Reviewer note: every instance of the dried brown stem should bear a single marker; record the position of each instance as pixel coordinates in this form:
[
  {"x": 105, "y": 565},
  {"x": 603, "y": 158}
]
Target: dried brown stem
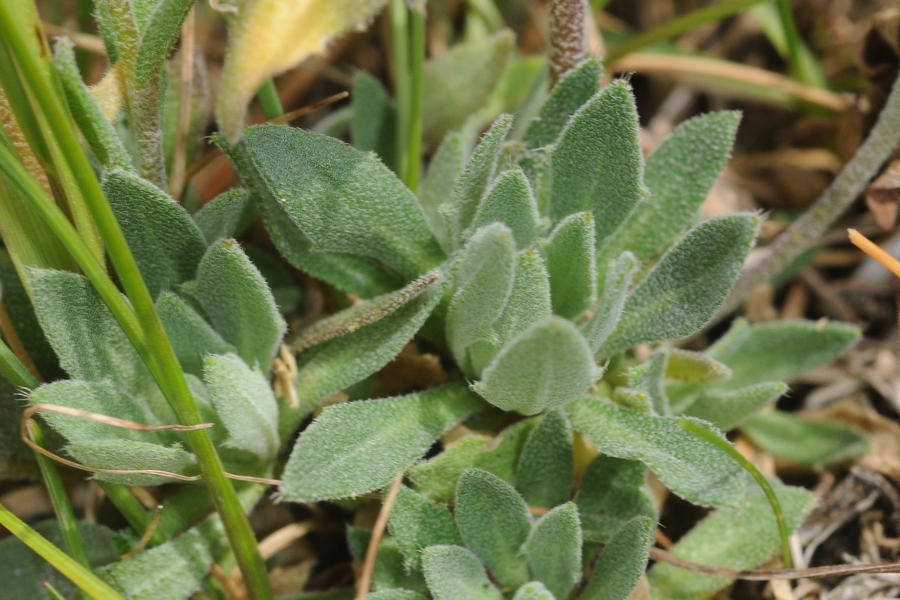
[
  {"x": 148, "y": 533},
  {"x": 567, "y": 47},
  {"x": 368, "y": 569},
  {"x": 179, "y": 157},
  {"x": 15, "y": 344}
]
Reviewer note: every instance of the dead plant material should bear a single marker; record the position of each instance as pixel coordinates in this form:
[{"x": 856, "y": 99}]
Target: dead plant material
[
  {"x": 410, "y": 370},
  {"x": 179, "y": 157},
  {"x": 883, "y": 196},
  {"x": 148, "y": 533},
  {"x": 364, "y": 583},
  {"x": 879, "y": 53}
]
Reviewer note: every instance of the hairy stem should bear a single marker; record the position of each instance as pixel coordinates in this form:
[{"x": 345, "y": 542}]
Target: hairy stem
[
  {"x": 399, "y": 16},
  {"x": 567, "y": 48},
  {"x": 804, "y": 233}
]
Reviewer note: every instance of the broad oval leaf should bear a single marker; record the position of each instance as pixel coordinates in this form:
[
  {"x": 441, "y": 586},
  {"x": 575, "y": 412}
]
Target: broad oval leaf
[
  {"x": 343, "y": 200},
  {"x": 571, "y": 264},
  {"x": 688, "y": 285},
  {"x": 452, "y": 573},
  {"x": 511, "y": 202},
  {"x": 123, "y": 454},
  {"x": 728, "y": 409},
  {"x": 816, "y": 443},
  {"x": 622, "y": 562},
  {"x": 437, "y": 477},
  {"x": 225, "y": 215},
  {"x": 416, "y": 523},
  {"x": 692, "y": 468},
  {"x": 191, "y": 336},
  {"x": 547, "y": 366},
  {"x": 597, "y": 164},
  {"x": 612, "y": 493},
  {"x": 494, "y": 522},
  {"x": 554, "y": 550},
  {"x": 576, "y": 88},
  {"x": 546, "y": 466},
  {"x": 358, "y": 447}
]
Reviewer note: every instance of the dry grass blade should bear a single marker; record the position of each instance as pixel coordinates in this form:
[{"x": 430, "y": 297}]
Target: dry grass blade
[
  {"x": 179, "y": 157},
  {"x": 145, "y": 539},
  {"x": 84, "y": 41},
  {"x": 867, "y": 246},
  {"x": 364, "y": 583}
]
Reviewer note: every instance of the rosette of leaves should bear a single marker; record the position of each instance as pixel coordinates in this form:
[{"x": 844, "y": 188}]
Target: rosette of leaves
[
  {"x": 222, "y": 320},
  {"x": 536, "y": 258}
]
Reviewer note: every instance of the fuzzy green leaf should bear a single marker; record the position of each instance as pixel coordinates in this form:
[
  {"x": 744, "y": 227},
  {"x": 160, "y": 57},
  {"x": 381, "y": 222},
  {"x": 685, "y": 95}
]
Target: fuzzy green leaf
[
  {"x": 689, "y": 466},
  {"x": 452, "y": 573},
  {"x": 534, "y": 590},
  {"x": 554, "y": 550},
  {"x": 728, "y": 409},
  {"x": 739, "y": 538},
  {"x": 484, "y": 276},
  {"x": 545, "y": 367},
  {"x": 225, "y": 215},
  {"x": 86, "y": 337},
  {"x": 688, "y": 366},
  {"x": 494, "y": 522},
  {"x": 597, "y": 164},
  {"x": 649, "y": 377},
  {"x": 337, "y": 363},
  {"x": 576, "y": 88},
  {"x": 123, "y": 454},
  {"x": 688, "y": 285},
  {"x": 612, "y": 493},
  {"x": 502, "y": 457},
  {"x": 166, "y": 243},
  {"x": 343, "y": 200},
  {"x": 437, "y": 477},
  {"x": 544, "y": 474},
  {"x": 445, "y": 167},
  {"x": 819, "y": 444},
  {"x": 622, "y": 562},
  {"x": 678, "y": 174},
  {"x": 373, "y": 127},
  {"x": 475, "y": 67},
  {"x": 192, "y": 338},
  {"x": 395, "y": 594},
  {"x": 509, "y": 201},
  {"x": 245, "y": 404},
  {"x": 238, "y": 303},
  {"x": 459, "y": 209},
  {"x": 99, "y": 133},
  {"x": 417, "y": 523},
  {"x": 606, "y": 317},
  {"x": 570, "y": 257},
  {"x": 780, "y": 350},
  {"x": 358, "y": 447},
  {"x": 390, "y": 571}
]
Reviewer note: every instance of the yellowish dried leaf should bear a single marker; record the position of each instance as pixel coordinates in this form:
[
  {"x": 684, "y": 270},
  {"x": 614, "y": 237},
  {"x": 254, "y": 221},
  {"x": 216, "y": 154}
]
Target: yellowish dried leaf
[
  {"x": 107, "y": 93},
  {"x": 268, "y": 37}
]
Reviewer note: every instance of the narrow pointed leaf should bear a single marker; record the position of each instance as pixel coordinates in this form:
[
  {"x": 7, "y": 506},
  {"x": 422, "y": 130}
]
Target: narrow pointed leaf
[
  {"x": 437, "y": 185},
  {"x": 816, "y": 443},
  {"x": 238, "y": 303},
  {"x": 494, "y": 522},
  {"x": 166, "y": 243},
  {"x": 544, "y": 474},
  {"x": 622, "y": 562},
  {"x": 578, "y": 86},
  {"x": 355, "y": 448},
  {"x": 224, "y": 216},
  {"x": 571, "y": 263},
  {"x": 688, "y": 285},
  {"x": 545, "y": 367},
  {"x": 554, "y": 550},
  {"x": 737, "y": 538},
  {"x": 597, "y": 164},
  {"x": 613, "y": 492},
  {"x": 452, "y": 573},
  {"x": 122, "y": 454},
  {"x": 417, "y": 523},
  {"x": 690, "y": 467},
  {"x": 509, "y": 201},
  {"x": 688, "y": 366},
  {"x": 615, "y": 291},
  {"x": 459, "y": 210},
  {"x": 728, "y": 409}
]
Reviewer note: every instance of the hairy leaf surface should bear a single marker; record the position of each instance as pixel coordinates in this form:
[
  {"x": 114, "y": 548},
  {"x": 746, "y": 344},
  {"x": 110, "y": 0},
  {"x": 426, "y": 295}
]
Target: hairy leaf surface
[{"x": 554, "y": 550}]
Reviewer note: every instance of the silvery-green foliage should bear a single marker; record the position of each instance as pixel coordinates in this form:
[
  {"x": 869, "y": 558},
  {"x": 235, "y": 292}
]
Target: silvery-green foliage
[
  {"x": 390, "y": 572},
  {"x": 533, "y": 590},
  {"x": 596, "y": 163},
  {"x": 727, "y": 409},
  {"x": 616, "y": 286},
  {"x": 612, "y": 493},
  {"x": 236, "y": 299},
  {"x": 416, "y": 523},
  {"x": 622, "y": 562},
  {"x": 571, "y": 263},
  {"x": 696, "y": 367},
  {"x": 545, "y": 367},
  {"x": 166, "y": 243},
  {"x": 649, "y": 378},
  {"x": 396, "y": 594},
  {"x": 437, "y": 185},
  {"x": 511, "y": 202},
  {"x": 567, "y": 97},
  {"x": 358, "y": 447},
  {"x": 738, "y": 538},
  {"x": 819, "y": 444},
  {"x": 545, "y": 470},
  {"x": 460, "y": 208},
  {"x": 437, "y": 477},
  {"x": 528, "y": 302},
  {"x": 494, "y": 522},
  {"x": 191, "y": 336},
  {"x": 553, "y": 549},
  {"x": 374, "y": 119},
  {"x": 453, "y": 572},
  {"x": 225, "y": 215},
  {"x": 689, "y": 466}
]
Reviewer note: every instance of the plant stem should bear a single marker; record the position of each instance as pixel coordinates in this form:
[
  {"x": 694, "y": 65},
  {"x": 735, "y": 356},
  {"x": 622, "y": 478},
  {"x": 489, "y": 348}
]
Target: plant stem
[
  {"x": 89, "y": 583},
  {"x": 131, "y": 509},
  {"x": 143, "y": 326},
  {"x": 748, "y": 466},
  {"x": 269, "y": 101},
  {"x": 675, "y": 27},
  {"x": 13, "y": 369},
  {"x": 402, "y": 84},
  {"x": 805, "y": 232},
  {"x": 567, "y": 48},
  {"x": 792, "y": 38},
  {"x": 417, "y": 60}
]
